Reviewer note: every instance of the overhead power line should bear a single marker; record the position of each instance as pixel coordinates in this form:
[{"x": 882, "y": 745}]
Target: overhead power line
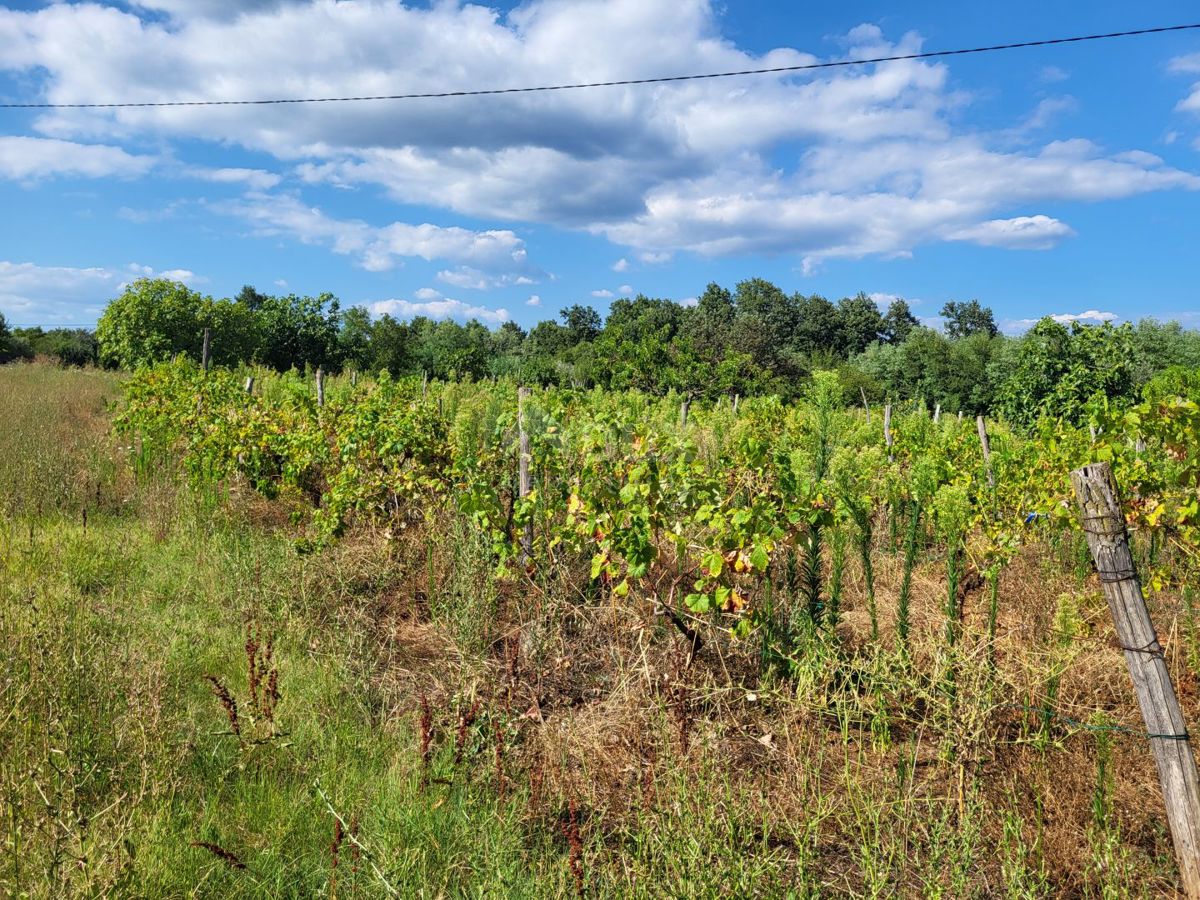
[{"x": 484, "y": 92}]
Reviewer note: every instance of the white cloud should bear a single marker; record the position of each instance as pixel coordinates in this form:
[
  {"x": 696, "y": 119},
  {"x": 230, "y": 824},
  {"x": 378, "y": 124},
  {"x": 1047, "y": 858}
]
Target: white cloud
[
  {"x": 1188, "y": 64},
  {"x": 534, "y": 300},
  {"x": 445, "y": 308},
  {"x": 621, "y": 265},
  {"x": 1090, "y": 316},
  {"x": 378, "y": 249},
  {"x": 255, "y": 179},
  {"x": 281, "y": 282},
  {"x": 884, "y": 163},
  {"x": 651, "y": 258},
  {"x": 427, "y": 293},
  {"x": 45, "y": 295},
  {"x": 31, "y": 158},
  {"x": 688, "y": 301},
  {"x": 1053, "y": 74},
  {"x": 603, "y": 294},
  {"x": 1021, "y": 233},
  {"x": 625, "y": 289},
  {"x": 883, "y": 300}
]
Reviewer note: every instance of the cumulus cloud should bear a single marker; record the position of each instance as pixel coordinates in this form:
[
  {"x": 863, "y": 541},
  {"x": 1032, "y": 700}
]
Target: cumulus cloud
[
  {"x": 603, "y": 294},
  {"x": 621, "y": 265},
  {"x": 31, "y": 158},
  {"x": 625, "y": 290},
  {"x": 256, "y": 179},
  {"x": 443, "y": 308},
  {"x": 882, "y": 164},
  {"x": 534, "y": 300},
  {"x": 1188, "y": 64},
  {"x": 1021, "y": 233},
  {"x": 1089, "y": 317},
  {"x": 378, "y": 249},
  {"x": 46, "y": 295}
]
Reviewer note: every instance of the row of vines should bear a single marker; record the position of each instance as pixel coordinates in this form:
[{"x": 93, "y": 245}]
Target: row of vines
[{"x": 707, "y": 511}]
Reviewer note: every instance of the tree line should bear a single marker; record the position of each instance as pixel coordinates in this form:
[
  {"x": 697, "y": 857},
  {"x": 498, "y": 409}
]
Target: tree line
[{"x": 755, "y": 339}]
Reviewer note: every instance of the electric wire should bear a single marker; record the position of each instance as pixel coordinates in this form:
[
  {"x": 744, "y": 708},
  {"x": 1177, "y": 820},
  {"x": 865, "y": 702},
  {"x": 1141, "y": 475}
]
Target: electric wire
[{"x": 626, "y": 82}]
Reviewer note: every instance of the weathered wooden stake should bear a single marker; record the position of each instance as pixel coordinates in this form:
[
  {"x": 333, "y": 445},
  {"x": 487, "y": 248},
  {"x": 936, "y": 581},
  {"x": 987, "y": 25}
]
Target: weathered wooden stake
[
  {"x": 354, "y": 378},
  {"x": 683, "y": 412},
  {"x": 249, "y": 385},
  {"x": 320, "y": 386},
  {"x": 1104, "y": 524},
  {"x": 424, "y": 384},
  {"x": 524, "y": 484},
  {"x": 960, "y": 415},
  {"x": 937, "y": 413},
  {"x": 1092, "y": 433},
  {"x": 887, "y": 429},
  {"x": 204, "y": 350},
  {"x": 867, "y": 406},
  {"x": 737, "y": 398},
  {"x": 987, "y": 450}
]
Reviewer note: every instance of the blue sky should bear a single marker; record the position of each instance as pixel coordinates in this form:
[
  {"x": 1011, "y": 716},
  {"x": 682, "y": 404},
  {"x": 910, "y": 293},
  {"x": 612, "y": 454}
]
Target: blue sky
[{"x": 1058, "y": 181}]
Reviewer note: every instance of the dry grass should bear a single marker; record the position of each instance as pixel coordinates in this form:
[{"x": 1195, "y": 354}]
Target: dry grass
[{"x": 856, "y": 774}]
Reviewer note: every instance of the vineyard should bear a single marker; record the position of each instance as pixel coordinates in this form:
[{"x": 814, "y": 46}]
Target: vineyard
[{"x": 653, "y": 647}]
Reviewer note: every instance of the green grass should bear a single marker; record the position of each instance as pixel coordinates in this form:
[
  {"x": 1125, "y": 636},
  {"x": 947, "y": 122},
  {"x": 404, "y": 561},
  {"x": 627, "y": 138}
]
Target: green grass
[{"x": 117, "y": 760}]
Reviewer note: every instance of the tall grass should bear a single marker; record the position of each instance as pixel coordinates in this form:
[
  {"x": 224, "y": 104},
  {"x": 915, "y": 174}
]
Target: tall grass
[{"x": 418, "y": 728}]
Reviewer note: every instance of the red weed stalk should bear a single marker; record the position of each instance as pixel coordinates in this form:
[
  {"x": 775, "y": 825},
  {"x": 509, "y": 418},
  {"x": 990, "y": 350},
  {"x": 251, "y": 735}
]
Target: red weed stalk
[
  {"x": 499, "y": 741},
  {"x": 465, "y": 721},
  {"x": 226, "y": 700},
  {"x": 334, "y": 850},
  {"x": 425, "y": 726},
  {"x": 570, "y": 830},
  {"x": 221, "y": 853}
]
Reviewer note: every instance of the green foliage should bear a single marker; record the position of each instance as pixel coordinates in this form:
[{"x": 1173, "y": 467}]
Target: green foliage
[
  {"x": 12, "y": 346},
  {"x": 1058, "y": 371}
]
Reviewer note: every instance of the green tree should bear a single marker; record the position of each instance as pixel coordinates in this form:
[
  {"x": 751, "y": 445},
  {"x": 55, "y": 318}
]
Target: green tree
[
  {"x": 354, "y": 340},
  {"x": 862, "y": 324},
  {"x": 153, "y": 319},
  {"x": 1058, "y": 371},
  {"x": 70, "y": 346},
  {"x": 899, "y": 322},
  {"x": 12, "y": 347},
  {"x": 581, "y": 323},
  {"x": 968, "y": 317},
  {"x": 299, "y": 331}
]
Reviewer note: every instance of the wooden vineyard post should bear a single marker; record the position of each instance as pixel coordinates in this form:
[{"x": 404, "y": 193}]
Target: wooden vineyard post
[
  {"x": 887, "y": 429},
  {"x": 205, "y": 347},
  {"x": 867, "y": 406},
  {"x": 737, "y": 398},
  {"x": 683, "y": 413},
  {"x": 1104, "y": 524},
  {"x": 249, "y": 385},
  {"x": 424, "y": 384},
  {"x": 354, "y": 378},
  {"x": 320, "y": 386},
  {"x": 987, "y": 450},
  {"x": 937, "y": 413},
  {"x": 524, "y": 484}
]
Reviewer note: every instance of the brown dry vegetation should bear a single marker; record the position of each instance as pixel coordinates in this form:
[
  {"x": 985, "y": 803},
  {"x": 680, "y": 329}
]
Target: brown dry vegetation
[
  {"x": 574, "y": 742},
  {"x": 858, "y": 773}
]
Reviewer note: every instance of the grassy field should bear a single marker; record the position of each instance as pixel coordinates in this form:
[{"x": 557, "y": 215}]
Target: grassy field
[{"x": 406, "y": 726}]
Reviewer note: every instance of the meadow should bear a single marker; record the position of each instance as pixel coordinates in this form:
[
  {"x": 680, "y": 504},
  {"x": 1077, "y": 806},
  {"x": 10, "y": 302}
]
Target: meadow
[{"x": 257, "y": 645}]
